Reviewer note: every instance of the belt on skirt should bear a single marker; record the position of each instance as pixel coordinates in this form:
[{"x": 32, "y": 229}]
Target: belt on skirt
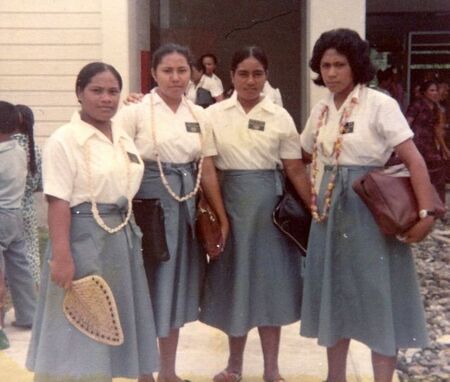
[
  {"x": 105, "y": 209},
  {"x": 343, "y": 175},
  {"x": 185, "y": 172},
  {"x": 278, "y": 176}
]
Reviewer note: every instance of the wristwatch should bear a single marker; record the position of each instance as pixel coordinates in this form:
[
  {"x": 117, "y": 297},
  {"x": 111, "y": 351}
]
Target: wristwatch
[{"x": 424, "y": 213}]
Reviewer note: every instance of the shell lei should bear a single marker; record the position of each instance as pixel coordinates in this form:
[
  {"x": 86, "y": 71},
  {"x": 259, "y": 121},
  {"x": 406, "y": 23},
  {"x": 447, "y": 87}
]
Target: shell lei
[
  {"x": 337, "y": 148},
  {"x": 98, "y": 219},
  {"x": 164, "y": 180}
]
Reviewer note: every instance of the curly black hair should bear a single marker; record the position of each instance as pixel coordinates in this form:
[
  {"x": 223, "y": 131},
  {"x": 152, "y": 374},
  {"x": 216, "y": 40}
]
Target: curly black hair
[{"x": 348, "y": 43}]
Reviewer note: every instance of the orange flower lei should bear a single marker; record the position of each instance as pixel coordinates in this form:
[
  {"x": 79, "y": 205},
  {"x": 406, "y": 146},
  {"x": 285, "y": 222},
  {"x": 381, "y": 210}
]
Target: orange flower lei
[{"x": 337, "y": 148}]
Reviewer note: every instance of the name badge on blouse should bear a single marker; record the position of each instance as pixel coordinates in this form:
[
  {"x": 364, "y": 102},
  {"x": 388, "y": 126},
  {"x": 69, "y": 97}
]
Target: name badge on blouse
[
  {"x": 254, "y": 124},
  {"x": 192, "y": 127},
  {"x": 133, "y": 158},
  {"x": 348, "y": 128}
]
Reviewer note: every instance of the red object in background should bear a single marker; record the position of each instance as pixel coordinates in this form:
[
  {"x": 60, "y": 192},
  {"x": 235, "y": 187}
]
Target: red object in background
[{"x": 145, "y": 71}]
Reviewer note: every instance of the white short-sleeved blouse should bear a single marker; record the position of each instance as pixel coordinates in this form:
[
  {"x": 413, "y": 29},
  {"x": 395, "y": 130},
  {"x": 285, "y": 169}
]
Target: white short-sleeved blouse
[
  {"x": 207, "y": 83},
  {"x": 375, "y": 127},
  {"x": 65, "y": 170},
  {"x": 177, "y": 134},
  {"x": 257, "y": 140},
  {"x": 217, "y": 85}
]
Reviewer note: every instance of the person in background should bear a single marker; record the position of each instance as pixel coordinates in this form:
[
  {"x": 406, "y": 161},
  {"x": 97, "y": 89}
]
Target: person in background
[
  {"x": 359, "y": 283},
  {"x": 444, "y": 104},
  {"x": 25, "y": 138},
  {"x": 257, "y": 281},
  {"x": 384, "y": 79},
  {"x": 209, "y": 62},
  {"x": 426, "y": 120},
  {"x": 174, "y": 139},
  {"x": 13, "y": 260},
  {"x": 199, "y": 89},
  {"x": 396, "y": 88},
  {"x": 91, "y": 172},
  {"x": 272, "y": 93}
]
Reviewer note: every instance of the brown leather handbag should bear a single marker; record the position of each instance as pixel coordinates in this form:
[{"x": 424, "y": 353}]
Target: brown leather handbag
[
  {"x": 392, "y": 201},
  {"x": 208, "y": 228}
]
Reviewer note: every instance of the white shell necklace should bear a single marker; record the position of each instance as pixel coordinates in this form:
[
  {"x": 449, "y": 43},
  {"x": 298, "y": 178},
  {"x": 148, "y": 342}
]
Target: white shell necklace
[
  {"x": 98, "y": 219},
  {"x": 158, "y": 158}
]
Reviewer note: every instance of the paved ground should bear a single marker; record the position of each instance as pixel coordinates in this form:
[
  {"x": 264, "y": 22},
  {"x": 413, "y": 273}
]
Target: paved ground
[{"x": 203, "y": 352}]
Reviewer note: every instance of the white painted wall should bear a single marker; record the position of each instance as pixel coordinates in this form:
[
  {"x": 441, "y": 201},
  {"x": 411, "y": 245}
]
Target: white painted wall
[{"x": 44, "y": 44}]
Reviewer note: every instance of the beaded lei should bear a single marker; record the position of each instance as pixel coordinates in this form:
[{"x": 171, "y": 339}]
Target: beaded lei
[
  {"x": 94, "y": 208},
  {"x": 158, "y": 159},
  {"x": 337, "y": 148}
]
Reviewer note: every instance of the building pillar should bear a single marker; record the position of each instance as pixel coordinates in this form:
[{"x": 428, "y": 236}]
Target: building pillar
[
  {"x": 323, "y": 15},
  {"x": 125, "y": 32}
]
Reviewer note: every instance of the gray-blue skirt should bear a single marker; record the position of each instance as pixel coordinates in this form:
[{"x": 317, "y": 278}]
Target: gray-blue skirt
[
  {"x": 175, "y": 284},
  {"x": 58, "y": 351},
  {"x": 359, "y": 283},
  {"x": 256, "y": 281}
]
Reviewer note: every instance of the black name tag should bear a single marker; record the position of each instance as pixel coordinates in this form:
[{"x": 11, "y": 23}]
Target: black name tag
[
  {"x": 348, "y": 128},
  {"x": 192, "y": 127},
  {"x": 133, "y": 157},
  {"x": 254, "y": 124}
]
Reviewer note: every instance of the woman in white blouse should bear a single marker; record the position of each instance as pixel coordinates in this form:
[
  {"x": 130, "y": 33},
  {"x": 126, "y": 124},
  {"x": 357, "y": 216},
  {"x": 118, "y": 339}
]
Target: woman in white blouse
[
  {"x": 359, "y": 283},
  {"x": 257, "y": 281},
  {"x": 91, "y": 172},
  {"x": 174, "y": 138}
]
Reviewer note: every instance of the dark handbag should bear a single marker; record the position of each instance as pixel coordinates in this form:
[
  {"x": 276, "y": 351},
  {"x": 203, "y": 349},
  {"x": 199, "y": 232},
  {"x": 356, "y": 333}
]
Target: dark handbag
[
  {"x": 293, "y": 218},
  {"x": 204, "y": 98},
  {"x": 208, "y": 228},
  {"x": 391, "y": 200},
  {"x": 149, "y": 216}
]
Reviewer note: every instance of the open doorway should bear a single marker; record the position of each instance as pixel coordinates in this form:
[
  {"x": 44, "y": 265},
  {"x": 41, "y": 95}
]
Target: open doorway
[{"x": 221, "y": 27}]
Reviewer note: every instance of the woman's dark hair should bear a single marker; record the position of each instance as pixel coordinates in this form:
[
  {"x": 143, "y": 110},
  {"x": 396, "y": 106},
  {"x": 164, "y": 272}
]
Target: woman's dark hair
[
  {"x": 210, "y": 55},
  {"x": 9, "y": 118},
  {"x": 199, "y": 66},
  {"x": 249, "y": 51},
  {"x": 424, "y": 86},
  {"x": 26, "y": 123},
  {"x": 348, "y": 43},
  {"x": 92, "y": 69},
  {"x": 169, "y": 48}
]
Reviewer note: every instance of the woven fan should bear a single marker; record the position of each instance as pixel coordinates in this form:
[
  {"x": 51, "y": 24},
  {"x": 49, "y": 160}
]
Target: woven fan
[{"x": 90, "y": 306}]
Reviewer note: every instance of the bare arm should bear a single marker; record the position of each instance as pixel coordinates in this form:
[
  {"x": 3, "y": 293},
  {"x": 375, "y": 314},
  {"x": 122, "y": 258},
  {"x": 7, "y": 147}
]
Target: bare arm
[
  {"x": 306, "y": 157},
  {"x": 296, "y": 172},
  {"x": 211, "y": 188},
  {"x": 420, "y": 181},
  {"x": 61, "y": 264}
]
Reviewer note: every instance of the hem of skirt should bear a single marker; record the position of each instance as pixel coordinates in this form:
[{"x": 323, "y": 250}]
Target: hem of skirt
[
  {"x": 166, "y": 332},
  {"x": 376, "y": 349},
  {"x": 50, "y": 377},
  {"x": 244, "y": 331}
]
